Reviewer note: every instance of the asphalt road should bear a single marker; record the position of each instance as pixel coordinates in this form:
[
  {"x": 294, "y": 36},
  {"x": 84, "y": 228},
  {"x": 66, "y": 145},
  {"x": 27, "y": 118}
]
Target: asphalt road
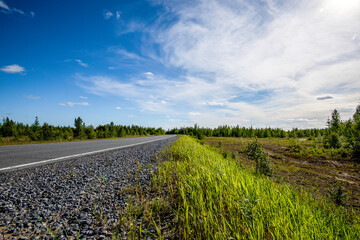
[{"x": 15, "y": 157}]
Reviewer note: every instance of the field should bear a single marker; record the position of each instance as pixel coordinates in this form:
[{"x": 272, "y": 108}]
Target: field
[{"x": 301, "y": 163}]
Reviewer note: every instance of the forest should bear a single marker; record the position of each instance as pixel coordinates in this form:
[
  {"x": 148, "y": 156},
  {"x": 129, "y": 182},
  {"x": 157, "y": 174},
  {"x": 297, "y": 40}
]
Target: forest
[{"x": 19, "y": 132}]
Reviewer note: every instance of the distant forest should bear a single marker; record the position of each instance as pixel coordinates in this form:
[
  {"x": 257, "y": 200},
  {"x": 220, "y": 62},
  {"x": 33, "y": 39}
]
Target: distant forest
[
  {"x": 338, "y": 134},
  {"x": 47, "y": 132}
]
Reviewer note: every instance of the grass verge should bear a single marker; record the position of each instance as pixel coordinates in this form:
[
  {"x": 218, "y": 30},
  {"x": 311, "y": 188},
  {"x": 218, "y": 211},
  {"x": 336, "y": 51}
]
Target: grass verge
[{"x": 213, "y": 197}]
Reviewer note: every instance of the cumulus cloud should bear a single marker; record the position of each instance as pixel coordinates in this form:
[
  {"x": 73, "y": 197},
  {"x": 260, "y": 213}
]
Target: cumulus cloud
[
  {"x": 13, "y": 69},
  {"x": 118, "y": 108},
  {"x": 72, "y": 104},
  {"x": 107, "y": 14}
]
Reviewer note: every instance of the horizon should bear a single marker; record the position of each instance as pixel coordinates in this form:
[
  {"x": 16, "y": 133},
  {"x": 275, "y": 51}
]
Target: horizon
[{"x": 273, "y": 63}]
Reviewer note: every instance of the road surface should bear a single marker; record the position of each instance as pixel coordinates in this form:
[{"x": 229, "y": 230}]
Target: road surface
[{"x": 22, "y": 156}]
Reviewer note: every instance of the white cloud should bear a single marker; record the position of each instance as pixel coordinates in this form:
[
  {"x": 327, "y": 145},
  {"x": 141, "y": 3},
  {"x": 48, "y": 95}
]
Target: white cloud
[
  {"x": 72, "y": 104},
  {"x": 126, "y": 54},
  {"x": 6, "y": 9},
  {"x": 13, "y": 69},
  {"x": 82, "y": 97},
  {"x": 118, "y": 14},
  {"x": 118, "y": 108},
  {"x": 243, "y": 62},
  {"x": 107, "y": 14},
  {"x": 4, "y": 6},
  {"x": 195, "y": 114},
  {"x": 290, "y": 50},
  {"x": 32, "y": 97},
  {"x": 81, "y": 63}
]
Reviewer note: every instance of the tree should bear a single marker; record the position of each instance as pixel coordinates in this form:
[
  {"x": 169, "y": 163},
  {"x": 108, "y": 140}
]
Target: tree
[
  {"x": 48, "y": 132},
  {"x": 335, "y": 122},
  {"x": 79, "y": 131},
  {"x": 90, "y": 132}
]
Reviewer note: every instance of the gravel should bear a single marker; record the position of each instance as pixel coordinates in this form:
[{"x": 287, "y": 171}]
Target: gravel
[{"x": 74, "y": 197}]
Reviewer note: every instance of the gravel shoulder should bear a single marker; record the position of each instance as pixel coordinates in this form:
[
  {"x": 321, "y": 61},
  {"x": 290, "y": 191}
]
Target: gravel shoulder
[{"x": 81, "y": 197}]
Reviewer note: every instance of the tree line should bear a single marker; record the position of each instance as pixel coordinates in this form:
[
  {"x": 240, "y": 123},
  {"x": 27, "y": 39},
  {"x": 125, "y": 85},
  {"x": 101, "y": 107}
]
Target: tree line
[
  {"x": 47, "y": 132},
  {"x": 338, "y": 134},
  {"x": 246, "y": 132}
]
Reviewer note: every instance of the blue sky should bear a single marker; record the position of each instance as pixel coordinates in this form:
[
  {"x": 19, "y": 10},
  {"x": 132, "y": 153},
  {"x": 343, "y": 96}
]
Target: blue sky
[{"x": 176, "y": 63}]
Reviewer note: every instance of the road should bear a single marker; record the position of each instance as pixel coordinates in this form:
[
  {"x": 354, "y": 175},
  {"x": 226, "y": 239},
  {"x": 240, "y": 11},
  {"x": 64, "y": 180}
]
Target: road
[{"x": 15, "y": 157}]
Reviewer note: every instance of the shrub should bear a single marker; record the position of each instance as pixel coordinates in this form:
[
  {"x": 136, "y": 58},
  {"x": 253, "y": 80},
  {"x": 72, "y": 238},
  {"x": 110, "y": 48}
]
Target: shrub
[
  {"x": 255, "y": 152},
  {"x": 336, "y": 192},
  {"x": 264, "y": 167},
  {"x": 200, "y": 136},
  {"x": 295, "y": 146},
  {"x": 332, "y": 141}
]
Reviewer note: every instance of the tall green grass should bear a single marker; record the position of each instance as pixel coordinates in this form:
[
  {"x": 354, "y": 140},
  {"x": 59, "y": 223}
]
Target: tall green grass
[{"x": 217, "y": 199}]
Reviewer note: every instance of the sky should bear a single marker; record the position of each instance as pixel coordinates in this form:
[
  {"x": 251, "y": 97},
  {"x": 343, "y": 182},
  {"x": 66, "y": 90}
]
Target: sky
[{"x": 174, "y": 63}]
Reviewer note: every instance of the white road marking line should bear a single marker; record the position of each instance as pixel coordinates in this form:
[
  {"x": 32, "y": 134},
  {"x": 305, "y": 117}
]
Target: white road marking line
[{"x": 77, "y": 155}]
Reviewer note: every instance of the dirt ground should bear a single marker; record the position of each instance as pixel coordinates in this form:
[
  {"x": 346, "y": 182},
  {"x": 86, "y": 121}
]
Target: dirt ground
[{"x": 314, "y": 174}]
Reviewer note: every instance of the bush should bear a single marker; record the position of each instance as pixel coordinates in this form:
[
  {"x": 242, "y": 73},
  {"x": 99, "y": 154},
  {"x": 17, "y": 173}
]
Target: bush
[
  {"x": 255, "y": 152},
  {"x": 295, "y": 146},
  {"x": 263, "y": 167},
  {"x": 200, "y": 136},
  {"x": 332, "y": 141},
  {"x": 336, "y": 192}
]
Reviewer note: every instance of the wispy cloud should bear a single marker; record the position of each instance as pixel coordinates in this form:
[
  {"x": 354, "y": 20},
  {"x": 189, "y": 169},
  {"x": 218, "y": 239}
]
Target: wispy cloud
[
  {"x": 80, "y": 62},
  {"x": 246, "y": 46},
  {"x": 125, "y": 54},
  {"x": 32, "y": 97},
  {"x": 4, "y": 6},
  {"x": 246, "y": 62},
  {"x": 82, "y": 97},
  {"x": 8, "y": 10},
  {"x": 118, "y": 108},
  {"x": 13, "y": 69},
  {"x": 72, "y": 104}
]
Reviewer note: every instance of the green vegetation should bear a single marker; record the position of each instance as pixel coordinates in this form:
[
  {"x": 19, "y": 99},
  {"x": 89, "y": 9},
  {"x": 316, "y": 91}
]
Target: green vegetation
[
  {"x": 228, "y": 131},
  {"x": 14, "y": 132},
  {"x": 215, "y": 198},
  {"x": 254, "y": 151}
]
